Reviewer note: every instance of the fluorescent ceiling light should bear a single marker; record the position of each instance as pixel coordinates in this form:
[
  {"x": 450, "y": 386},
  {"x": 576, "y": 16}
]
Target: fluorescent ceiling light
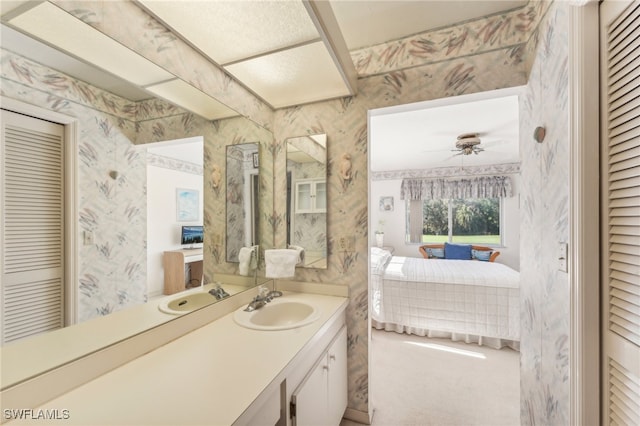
[
  {"x": 62, "y": 30},
  {"x": 228, "y": 31},
  {"x": 291, "y": 77},
  {"x": 188, "y": 97}
]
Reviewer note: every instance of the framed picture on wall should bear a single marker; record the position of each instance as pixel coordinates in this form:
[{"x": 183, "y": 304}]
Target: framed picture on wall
[
  {"x": 187, "y": 205},
  {"x": 386, "y": 204}
]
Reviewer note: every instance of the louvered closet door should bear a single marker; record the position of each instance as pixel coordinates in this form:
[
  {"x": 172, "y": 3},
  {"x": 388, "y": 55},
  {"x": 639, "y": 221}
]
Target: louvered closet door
[
  {"x": 620, "y": 80},
  {"x": 32, "y": 226}
]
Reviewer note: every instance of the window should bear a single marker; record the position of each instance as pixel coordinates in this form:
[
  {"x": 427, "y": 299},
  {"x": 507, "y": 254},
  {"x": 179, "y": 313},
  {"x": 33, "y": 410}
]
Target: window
[{"x": 470, "y": 221}]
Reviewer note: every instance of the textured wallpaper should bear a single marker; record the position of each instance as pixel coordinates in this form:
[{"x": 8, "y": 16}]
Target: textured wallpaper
[
  {"x": 544, "y": 291},
  {"x": 483, "y": 55}
]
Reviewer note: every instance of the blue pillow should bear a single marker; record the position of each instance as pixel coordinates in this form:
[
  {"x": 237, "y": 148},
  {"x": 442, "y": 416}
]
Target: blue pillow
[
  {"x": 437, "y": 253},
  {"x": 483, "y": 255},
  {"x": 457, "y": 251}
]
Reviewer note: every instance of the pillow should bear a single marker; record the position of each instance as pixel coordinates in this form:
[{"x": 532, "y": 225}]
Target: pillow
[
  {"x": 435, "y": 253},
  {"x": 379, "y": 258},
  {"x": 483, "y": 255},
  {"x": 457, "y": 251}
]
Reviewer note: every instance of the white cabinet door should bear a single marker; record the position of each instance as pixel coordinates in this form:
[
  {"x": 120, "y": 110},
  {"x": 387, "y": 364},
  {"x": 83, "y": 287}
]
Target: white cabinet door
[
  {"x": 320, "y": 196},
  {"x": 310, "y": 399},
  {"x": 304, "y": 197},
  {"x": 321, "y": 399},
  {"x": 311, "y": 196},
  {"x": 337, "y": 392}
]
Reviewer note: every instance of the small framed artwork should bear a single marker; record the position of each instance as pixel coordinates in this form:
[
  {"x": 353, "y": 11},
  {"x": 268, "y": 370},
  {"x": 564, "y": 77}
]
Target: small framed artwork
[
  {"x": 386, "y": 204},
  {"x": 256, "y": 160},
  {"x": 187, "y": 205}
]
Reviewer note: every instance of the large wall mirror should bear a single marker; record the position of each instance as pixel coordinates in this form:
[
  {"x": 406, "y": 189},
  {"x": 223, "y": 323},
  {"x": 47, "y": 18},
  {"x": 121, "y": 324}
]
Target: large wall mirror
[
  {"x": 242, "y": 199},
  {"x": 110, "y": 162},
  {"x": 307, "y": 198}
]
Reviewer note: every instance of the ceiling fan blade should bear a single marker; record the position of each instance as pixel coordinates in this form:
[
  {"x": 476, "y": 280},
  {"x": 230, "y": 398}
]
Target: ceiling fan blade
[
  {"x": 496, "y": 143},
  {"x": 432, "y": 150}
]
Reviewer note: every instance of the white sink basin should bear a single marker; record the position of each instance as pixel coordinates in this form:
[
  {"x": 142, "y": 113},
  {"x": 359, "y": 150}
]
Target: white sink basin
[
  {"x": 186, "y": 303},
  {"x": 280, "y": 314}
]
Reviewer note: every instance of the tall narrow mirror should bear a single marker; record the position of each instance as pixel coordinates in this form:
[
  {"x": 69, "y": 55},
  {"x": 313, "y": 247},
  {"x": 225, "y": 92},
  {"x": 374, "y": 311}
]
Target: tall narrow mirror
[
  {"x": 242, "y": 183},
  {"x": 307, "y": 198}
]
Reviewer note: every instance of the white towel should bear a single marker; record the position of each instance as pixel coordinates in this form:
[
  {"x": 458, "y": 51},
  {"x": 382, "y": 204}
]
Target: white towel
[
  {"x": 280, "y": 263},
  {"x": 247, "y": 259},
  {"x": 300, "y": 251}
]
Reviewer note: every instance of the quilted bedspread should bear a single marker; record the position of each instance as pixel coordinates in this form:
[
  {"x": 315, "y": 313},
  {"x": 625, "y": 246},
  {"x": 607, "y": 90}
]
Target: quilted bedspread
[
  {"x": 475, "y": 299},
  {"x": 471, "y": 272}
]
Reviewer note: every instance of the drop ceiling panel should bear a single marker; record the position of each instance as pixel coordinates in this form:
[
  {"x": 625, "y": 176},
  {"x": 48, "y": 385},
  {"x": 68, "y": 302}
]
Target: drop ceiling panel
[
  {"x": 291, "y": 77},
  {"x": 188, "y": 97},
  {"x": 367, "y": 23},
  {"x": 54, "y": 26},
  {"x": 229, "y": 31},
  {"x": 39, "y": 52}
]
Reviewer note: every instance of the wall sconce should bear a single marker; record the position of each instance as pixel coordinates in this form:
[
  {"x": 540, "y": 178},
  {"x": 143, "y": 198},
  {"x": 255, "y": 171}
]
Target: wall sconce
[
  {"x": 216, "y": 176},
  {"x": 539, "y": 133},
  {"x": 345, "y": 167}
]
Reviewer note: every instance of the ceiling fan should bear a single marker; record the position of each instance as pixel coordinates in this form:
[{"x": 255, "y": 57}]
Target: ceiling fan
[{"x": 467, "y": 144}]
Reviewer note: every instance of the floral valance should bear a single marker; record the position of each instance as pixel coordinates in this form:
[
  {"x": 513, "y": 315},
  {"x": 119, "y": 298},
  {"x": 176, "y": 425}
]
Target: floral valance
[{"x": 478, "y": 187}]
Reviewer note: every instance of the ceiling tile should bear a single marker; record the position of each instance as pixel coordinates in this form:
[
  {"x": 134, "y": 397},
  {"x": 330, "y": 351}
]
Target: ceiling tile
[
  {"x": 229, "y": 31},
  {"x": 292, "y": 77}
]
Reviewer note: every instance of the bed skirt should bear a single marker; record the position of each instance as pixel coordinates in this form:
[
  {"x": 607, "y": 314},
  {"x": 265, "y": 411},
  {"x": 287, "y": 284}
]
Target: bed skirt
[{"x": 492, "y": 342}]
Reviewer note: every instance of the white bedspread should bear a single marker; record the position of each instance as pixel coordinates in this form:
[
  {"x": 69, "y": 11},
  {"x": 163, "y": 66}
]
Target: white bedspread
[
  {"x": 463, "y": 299},
  {"x": 472, "y": 272}
]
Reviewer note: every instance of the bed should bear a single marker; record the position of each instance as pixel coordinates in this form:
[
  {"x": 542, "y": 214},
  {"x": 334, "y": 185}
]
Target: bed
[{"x": 469, "y": 300}]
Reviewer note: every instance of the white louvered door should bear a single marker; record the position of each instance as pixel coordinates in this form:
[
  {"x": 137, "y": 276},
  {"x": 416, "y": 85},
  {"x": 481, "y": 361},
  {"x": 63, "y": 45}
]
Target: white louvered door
[
  {"x": 620, "y": 109},
  {"x": 32, "y": 226}
]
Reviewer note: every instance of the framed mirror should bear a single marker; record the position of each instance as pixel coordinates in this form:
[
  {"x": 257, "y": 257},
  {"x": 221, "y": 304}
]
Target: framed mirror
[
  {"x": 306, "y": 218},
  {"x": 242, "y": 198}
]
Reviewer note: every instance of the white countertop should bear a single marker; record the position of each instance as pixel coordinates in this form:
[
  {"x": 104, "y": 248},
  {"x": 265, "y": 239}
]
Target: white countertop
[
  {"x": 209, "y": 376},
  {"x": 30, "y": 357}
]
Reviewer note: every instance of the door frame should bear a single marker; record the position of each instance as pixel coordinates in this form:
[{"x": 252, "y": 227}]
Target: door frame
[
  {"x": 584, "y": 208},
  {"x": 71, "y": 196}
]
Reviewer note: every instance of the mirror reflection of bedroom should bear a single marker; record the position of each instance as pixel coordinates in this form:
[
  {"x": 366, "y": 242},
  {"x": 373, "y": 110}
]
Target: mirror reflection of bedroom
[{"x": 444, "y": 281}]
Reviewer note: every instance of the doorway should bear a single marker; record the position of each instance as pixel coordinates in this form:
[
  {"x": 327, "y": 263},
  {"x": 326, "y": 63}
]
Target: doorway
[
  {"x": 171, "y": 165},
  {"x": 499, "y": 155}
]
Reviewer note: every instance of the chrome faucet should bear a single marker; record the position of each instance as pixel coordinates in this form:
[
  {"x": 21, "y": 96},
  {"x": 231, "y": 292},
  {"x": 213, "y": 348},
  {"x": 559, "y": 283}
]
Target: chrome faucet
[
  {"x": 218, "y": 292},
  {"x": 264, "y": 296}
]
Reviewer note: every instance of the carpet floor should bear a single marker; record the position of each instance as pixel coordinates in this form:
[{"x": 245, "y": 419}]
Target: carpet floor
[{"x": 421, "y": 381}]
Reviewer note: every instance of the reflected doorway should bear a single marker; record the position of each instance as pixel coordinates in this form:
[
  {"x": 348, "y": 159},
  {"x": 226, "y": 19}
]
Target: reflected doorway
[{"x": 171, "y": 166}]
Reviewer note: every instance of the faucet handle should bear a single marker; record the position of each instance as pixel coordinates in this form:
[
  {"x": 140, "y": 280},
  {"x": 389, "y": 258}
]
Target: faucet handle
[
  {"x": 263, "y": 291},
  {"x": 274, "y": 293}
]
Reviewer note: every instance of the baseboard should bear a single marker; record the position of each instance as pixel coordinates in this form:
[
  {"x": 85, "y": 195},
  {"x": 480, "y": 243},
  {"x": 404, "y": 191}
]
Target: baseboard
[{"x": 357, "y": 416}]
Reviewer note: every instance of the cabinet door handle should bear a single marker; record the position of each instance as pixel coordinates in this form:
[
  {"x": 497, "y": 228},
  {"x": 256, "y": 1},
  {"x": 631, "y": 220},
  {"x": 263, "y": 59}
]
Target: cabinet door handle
[
  {"x": 325, "y": 367},
  {"x": 332, "y": 357}
]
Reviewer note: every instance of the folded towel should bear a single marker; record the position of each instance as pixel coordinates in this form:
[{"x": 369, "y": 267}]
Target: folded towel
[
  {"x": 300, "y": 251},
  {"x": 280, "y": 263},
  {"x": 248, "y": 259}
]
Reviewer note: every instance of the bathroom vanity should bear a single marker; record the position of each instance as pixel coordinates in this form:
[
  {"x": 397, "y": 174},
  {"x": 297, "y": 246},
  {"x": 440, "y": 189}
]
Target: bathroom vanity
[{"x": 224, "y": 374}]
